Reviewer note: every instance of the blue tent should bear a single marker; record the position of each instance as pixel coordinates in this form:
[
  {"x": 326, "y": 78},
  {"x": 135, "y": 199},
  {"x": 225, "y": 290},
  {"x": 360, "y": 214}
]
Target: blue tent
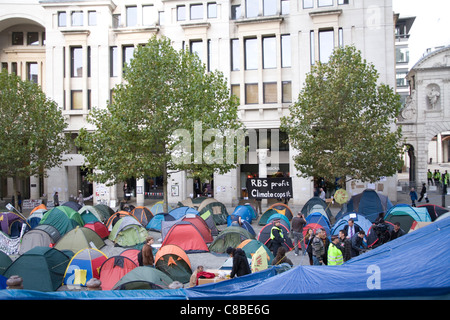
[
  {"x": 155, "y": 222},
  {"x": 360, "y": 220},
  {"x": 180, "y": 212},
  {"x": 279, "y": 216},
  {"x": 317, "y": 217},
  {"x": 406, "y": 215},
  {"x": 245, "y": 212},
  {"x": 368, "y": 203}
]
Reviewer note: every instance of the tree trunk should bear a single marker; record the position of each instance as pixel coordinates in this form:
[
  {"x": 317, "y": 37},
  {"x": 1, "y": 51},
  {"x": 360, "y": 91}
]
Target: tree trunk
[{"x": 165, "y": 195}]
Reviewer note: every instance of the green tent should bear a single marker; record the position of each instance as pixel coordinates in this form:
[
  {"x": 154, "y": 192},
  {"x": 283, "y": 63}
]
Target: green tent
[
  {"x": 91, "y": 214},
  {"x": 203, "y": 204},
  {"x": 229, "y": 237},
  {"x": 63, "y": 219},
  {"x": 144, "y": 278},
  {"x": 128, "y": 232},
  {"x": 5, "y": 262},
  {"x": 41, "y": 268},
  {"x": 80, "y": 238}
]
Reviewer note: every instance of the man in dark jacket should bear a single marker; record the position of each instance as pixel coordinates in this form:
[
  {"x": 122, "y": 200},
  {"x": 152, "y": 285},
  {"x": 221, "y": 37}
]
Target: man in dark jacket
[
  {"x": 276, "y": 237},
  {"x": 358, "y": 245},
  {"x": 345, "y": 245},
  {"x": 240, "y": 262}
]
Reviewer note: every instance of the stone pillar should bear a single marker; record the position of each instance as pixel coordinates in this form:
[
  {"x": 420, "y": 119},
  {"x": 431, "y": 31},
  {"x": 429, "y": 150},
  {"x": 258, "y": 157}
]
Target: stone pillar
[{"x": 140, "y": 184}]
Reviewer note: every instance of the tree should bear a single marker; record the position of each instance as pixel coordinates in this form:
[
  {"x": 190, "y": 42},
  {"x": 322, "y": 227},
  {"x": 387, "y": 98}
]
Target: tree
[
  {"x": 32, "y": 138},
  {"x": 159, "y": 119},
  {"x": 344, "y": 123}
]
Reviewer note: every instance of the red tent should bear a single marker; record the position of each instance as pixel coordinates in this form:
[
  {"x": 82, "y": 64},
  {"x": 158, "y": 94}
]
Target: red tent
[
  {"x": 131, "y": 254},
  {"x": 187, "y": 237},
  {"x": 99, "y": 228},
  {"x": 113, "y": 269},
  {"x": 196, "y": 220}
]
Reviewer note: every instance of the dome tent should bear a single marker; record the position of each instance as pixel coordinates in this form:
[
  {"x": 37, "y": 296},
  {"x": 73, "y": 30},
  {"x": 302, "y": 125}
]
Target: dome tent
[
  {"x": 128, "y": 232},
  {"x": 83, "y": 266},
  {"x": 80, "y": 238}
]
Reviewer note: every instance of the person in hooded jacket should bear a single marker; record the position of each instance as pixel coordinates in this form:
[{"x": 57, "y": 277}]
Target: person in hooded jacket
[{"x": 240, "y": 262}]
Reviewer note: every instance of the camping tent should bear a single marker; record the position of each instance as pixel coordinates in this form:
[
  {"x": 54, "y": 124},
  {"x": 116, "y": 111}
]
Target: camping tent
[
  {"x": 195, "y": 220},
  {"x": 113, "y": 269},
  {"x": 143, "y": 278},
  {"x": 245, "y": 212},
  {"x": 250, "y": 246},
  {"x": 116, "y": 216},
  {"x": 203, "y": 204},
  {"x": 317, "y": 217},
  {"x": 80, "y": 238},
  {"x": 229, "y": 237},
  {"x": 41, "y": 268},
  {"x": 155, "y": 222},
  {"x": 266, "y": 215},
  {"x": 72, "y": 205},
  {"x": 283, "y": 209},
  {"x": 35, "y": 217},
  {"x": 132, "y": 254},
  {"x": 105, "y": 211},
  {"x": 142, "y": 214},
  {"x": 5, "y": 262},
  {"x": 158, "y": 207},
  {"x": 11, "y": 223},
  {"x": 180, "y": 212},
  {"x": 315, "y": 204},
  {"x": 207, "y": 216},
  {"x": 435, "y": 211},
  {"x": 42, "y": 236},
  {"x": 406, "y": 215},
  {"x": 63, "y": 219},
  {"x": 99, "y": 229},
  {"x": 359, "y": 220},
  {"x": 187, "y": 237},
  {"x": 368, "y": 203},
  {"x": 173, "y": 261},
  {"x": 128, "y": 232},
  {"x": 91, "y": 214},
  {"x": 83, "y": 266}
]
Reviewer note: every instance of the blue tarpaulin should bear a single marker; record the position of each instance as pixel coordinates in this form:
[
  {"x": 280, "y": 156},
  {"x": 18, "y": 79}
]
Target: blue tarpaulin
[{"x": 416, "y": 265}]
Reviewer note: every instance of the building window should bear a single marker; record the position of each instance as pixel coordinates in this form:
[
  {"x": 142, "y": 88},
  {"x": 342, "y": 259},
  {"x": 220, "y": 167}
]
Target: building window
[
  {"x": 270, "y": 7},
  {"x": 76, "y": 99},
  {"x": 127, "y": 55},
  {"x": 312, "y": 46},
  {"x": 285, "y": 7},
  {"x": 32, "y": 71},
  {"x": 402, "y": 55},
  {"x": 342, "y": 1},
  {"x": 325, "y": 3},
  {"x": 308, "y": 4},
  {"x": 149, "y": 15},
  {"x": 131, "y": 16},
  {"x": 76, "y": 57},
  {"x": 92, "y": 18},
  {"x": 341, "y": 38},
  {"x": 196, "y": 11},
  {"x": 270, "y": 92},
  {"x": 62, "y": 19},
  {"x": 196, "y": 47},
  {"x": 77, "y": 18},
  {"x": 33, "y": 38},
  {"x": 17, "y": 38},
  {"x": 89, "y": 99},
  {"x": 116, "y": 20},
  {"x": 181, "y": 13},
  {"x": 269, "y": 53},
  {"x": 212, "y": 10},
  {"x": 5, "y": 66},
  {"x": 14, "y": 68},
  {"x": 235, "y": 56},
  {"x": 113, "y": 66},
  {"x": 401, "y": 79},
  {"x": 251, "y": 8},
  {"x": 251, "y": 93},
  {"x": 88, "y": 61},
  {"x": 235, "y": 12},
  {"x": 286, "y": 87},
  {"x": 236, "y": 90},
  {"x": 251, "y": 50},
  {"x": 286, "y": 51},
  {"x": 326, "y": 45}
]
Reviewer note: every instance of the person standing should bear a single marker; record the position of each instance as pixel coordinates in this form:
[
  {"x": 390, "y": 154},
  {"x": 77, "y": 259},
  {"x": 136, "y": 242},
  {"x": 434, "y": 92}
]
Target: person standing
[
  {"x": 345, "y": 245},
  {"x": 335, "y": 256},
  {"x": 298, "y": 223},
  {"x": 56, "y": 199},
  {"x": 413, "y": 196},
  {"x": 423, "y": 193},
  {"x": 358, "y": 243},
  {"x": 240, "y": 263},
  {"x": 145, "y": 257},
  {"x": 320, "y": 247},
  {"x": 276, "y": 237}
]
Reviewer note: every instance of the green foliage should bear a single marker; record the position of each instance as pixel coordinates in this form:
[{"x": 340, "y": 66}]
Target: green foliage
[
  {"x": 163, "y": 91},
  {"x": 343, "y": 124},
  {"x": 31, "y": 138}
]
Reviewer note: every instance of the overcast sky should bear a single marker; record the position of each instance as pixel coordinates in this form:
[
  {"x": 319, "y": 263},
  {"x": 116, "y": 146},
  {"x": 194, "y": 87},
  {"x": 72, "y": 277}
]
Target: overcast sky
[{"x": 432, "y": 25}]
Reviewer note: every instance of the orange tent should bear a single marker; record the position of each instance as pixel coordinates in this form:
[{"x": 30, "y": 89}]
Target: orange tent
[{"x": 173, "y": 261}]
